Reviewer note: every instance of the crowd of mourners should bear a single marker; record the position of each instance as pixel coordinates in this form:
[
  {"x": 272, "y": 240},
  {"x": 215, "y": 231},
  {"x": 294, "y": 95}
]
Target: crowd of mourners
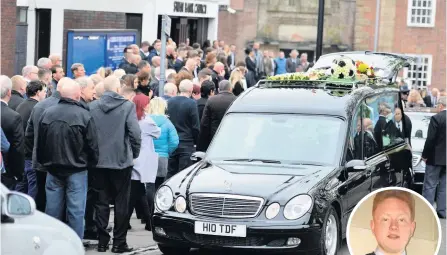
[{"x": 80, "y": 145}]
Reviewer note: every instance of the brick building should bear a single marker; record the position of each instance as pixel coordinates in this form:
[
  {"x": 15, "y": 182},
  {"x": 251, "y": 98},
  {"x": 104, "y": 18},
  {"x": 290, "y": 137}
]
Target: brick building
[
  {"x": 416, "y": 27},
  {"x": 288, "y": 24},
  {"x": 8, "y": 36}
]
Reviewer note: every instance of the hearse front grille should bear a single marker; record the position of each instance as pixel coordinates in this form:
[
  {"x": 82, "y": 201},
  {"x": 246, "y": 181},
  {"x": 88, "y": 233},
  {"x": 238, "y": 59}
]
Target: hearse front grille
[
  {"x": 223, "y": 240},
  {"x": 225, "y": 206}
]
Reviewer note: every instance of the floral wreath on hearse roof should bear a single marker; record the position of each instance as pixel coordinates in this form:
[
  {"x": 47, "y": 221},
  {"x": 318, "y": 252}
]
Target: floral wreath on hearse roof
[{"x": 343, "y": 70}]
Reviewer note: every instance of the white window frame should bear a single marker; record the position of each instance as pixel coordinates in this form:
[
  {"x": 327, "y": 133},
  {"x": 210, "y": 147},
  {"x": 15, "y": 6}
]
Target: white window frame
[
  {"x": 410, "y": 80},
  {"x": 415, "y": 24}
]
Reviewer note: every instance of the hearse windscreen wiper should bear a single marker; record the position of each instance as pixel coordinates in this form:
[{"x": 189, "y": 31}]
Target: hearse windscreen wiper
[{"x": 268, "y": 161}]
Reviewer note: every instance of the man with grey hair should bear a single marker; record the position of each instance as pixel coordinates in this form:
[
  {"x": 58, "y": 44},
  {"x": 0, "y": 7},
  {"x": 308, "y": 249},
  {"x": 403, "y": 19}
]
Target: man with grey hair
[
  {"x": 56, "y": 59},
  {"x": 30, "y": 73},
  {"x": 214, "y": 111},
  {"x": 31, "y": 135},
  {"x": 184, "y": 114},
  {"x": 88, "y": 95},
  {"x": 119, "y": 140},
  {"x": 67, "y": 145},
  {"x": 292, "y": 62},
  {"x": 434, "y": 155},
  {"x": 155, "y": 81},
  {"x": 87, "y": 89},
  {"x": 170, "y": 90},
  {"x": 44, "y": 63},
  {"x": 11, "y": 125}
]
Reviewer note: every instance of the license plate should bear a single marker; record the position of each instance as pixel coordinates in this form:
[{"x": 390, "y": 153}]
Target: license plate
[{"x": 220, "y": 229}]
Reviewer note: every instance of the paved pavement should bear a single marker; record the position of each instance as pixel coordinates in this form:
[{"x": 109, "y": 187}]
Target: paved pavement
[{"x": 142, "y": 241}]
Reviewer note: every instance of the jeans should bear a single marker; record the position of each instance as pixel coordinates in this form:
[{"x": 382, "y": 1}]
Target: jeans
[
  {"x": 72, "y": 190},
  {"x": 180, "y": 159},
  {"x": 28, "y": 184},
  {"x": 22, "y": 185},
  {"x": 435, "y": 175}
]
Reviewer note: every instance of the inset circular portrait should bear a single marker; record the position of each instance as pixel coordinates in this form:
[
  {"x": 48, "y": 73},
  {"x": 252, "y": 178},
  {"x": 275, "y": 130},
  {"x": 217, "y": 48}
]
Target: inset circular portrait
[{"x": 393, "y": 221}]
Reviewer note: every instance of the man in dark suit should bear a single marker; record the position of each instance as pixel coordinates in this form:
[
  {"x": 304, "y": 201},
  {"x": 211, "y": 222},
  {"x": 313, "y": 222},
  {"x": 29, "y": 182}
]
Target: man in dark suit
[
  {"x": 12, "y": 126},
  {"x": 434, "y": 156},
  {"x": 213, "y": 114},
  {"x": 430, "y": 100},
  {"x": 292, "y": 62},
  {"x": 231, "y": 59}
]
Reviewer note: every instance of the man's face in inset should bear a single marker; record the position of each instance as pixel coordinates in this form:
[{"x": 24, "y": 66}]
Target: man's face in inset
[{"x": 392, "y": 225}]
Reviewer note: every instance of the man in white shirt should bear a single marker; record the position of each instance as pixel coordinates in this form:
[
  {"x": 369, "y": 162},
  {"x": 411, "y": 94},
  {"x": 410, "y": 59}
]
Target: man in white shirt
[{"x": 393, "y": 222}]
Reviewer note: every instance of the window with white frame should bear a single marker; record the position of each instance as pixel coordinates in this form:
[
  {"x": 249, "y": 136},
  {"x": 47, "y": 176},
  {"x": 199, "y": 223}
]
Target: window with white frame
[
  {"x": 418, "y": 74},
  {"x": 421, "y": 13}
]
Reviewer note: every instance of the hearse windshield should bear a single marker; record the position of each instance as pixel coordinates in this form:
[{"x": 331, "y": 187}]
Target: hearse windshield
[{"x": 278, "y": 138}]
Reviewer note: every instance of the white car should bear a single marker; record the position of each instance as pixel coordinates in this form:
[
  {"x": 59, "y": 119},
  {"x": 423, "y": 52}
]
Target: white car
[{"x": 24, "y": 230}]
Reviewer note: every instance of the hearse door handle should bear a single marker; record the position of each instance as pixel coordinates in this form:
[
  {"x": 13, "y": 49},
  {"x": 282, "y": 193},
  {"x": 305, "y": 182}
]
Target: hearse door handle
[{"x": 368, "y": 173}]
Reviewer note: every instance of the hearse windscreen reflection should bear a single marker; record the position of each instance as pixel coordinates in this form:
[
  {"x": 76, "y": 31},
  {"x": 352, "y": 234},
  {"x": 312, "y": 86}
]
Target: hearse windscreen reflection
[{"x": 278, "y": 138}]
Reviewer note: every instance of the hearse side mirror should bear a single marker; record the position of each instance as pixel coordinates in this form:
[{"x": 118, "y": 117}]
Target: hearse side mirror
[
  {"x": 355, "y": 166},
  {"x": 197, "y": 156}
]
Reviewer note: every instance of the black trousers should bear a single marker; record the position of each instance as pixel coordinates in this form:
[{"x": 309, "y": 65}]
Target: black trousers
[
  {"x": 112, "y": 184},
  {"x": 138, "y": 196},
  {"x": 92, "y": 197},
  {"x": 180, "y": 159},
  {"x": 41, "y": 196}
]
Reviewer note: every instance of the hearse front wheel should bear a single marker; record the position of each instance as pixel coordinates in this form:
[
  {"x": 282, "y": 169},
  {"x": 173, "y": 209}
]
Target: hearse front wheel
[
  {"x": 170, "y": 250},
  {"x": 330, "y": 238}
]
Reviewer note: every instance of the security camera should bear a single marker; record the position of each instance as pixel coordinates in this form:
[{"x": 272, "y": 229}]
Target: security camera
[{"x": 230, "y": 10}]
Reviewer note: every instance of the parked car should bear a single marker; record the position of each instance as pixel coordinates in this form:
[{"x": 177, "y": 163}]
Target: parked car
[
  {"x": 420, "y": 118},
  {"x": 287, "y": 166},
  {"x": 27, "y": 231}
]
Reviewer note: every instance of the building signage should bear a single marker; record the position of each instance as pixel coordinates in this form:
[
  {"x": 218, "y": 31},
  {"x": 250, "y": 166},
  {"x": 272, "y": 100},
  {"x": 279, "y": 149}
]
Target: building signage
[
  {"x": 115, "y": 48},
  {"x": 185, "y": 7}
]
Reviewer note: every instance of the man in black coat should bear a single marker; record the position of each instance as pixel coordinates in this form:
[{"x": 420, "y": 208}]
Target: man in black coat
[
  {"x": 214, "y": 111},
  {"x": 119, "y": 141},
  {"x": 434, "y": 156},
  {"x": 184, "y": 115},
  {"x": 66, "y": 147},
  {"x": 35, "y": 92},
  {"x": 11, "y": 123},
  {"x": 31, "y": 134}
]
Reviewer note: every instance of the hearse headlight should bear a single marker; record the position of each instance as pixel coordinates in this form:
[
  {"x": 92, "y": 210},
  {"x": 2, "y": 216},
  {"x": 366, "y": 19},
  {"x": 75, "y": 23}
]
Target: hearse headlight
[
  {"x": 164, "y": 198},
  {"x": 272, "y": 211},
  {"x": 180, "y": 204},
  {"x": 297, "y": 207}
]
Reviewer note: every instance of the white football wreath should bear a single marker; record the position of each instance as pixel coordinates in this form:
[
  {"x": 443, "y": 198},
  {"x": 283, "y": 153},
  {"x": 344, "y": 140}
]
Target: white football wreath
[{"x": 343, "y": 68}]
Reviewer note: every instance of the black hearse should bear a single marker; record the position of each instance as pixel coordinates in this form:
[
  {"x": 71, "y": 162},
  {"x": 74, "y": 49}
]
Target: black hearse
[{"x": 290, "y": 161}]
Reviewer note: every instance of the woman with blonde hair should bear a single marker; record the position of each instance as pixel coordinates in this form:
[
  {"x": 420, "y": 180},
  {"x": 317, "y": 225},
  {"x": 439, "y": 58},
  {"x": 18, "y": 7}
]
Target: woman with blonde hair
[
  {"x": 415, "y": 99},
  {"x": 168, "y": 141},
  {"x": 145, "y": 166},
  {"x": 236, "y": 82}
]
